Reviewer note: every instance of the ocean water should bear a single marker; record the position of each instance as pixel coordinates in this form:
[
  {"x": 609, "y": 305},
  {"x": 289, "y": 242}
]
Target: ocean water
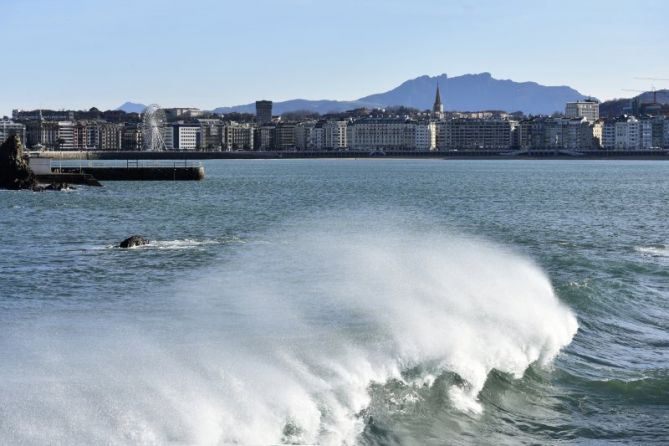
[{"x": 341, "y": 302}]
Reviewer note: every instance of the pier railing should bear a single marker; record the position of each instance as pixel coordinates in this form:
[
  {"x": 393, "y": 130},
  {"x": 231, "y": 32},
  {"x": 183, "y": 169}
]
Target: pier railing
[{"x": 57, "y": 164}]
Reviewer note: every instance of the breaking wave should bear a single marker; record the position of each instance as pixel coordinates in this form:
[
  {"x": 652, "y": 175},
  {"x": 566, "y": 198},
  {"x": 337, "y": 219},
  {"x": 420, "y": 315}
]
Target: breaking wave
[{"x": 283, "y": 342}]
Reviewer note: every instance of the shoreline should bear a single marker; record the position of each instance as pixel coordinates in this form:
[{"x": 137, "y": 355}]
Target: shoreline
[{"x": 660, "y": 155}]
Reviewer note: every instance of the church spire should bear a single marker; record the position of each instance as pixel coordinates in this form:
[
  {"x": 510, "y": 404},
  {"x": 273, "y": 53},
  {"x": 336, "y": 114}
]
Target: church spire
[{"x": 437, "y": 108}]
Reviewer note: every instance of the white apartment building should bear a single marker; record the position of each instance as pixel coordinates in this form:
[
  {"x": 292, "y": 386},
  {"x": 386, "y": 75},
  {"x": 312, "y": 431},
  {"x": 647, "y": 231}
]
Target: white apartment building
[
  {"x": 426, "y": 136},
  {"x": 588, "y": 109},
  {"x": 634, "y": 134},
  {"x": 181, "y": 136},
  {"x": 185, "y": 137},
  {"x": 334, "y": 133},
  {"x": 65, "y": 136},
  {"x": 628, "y": 134},
  {"x": 382, "y": 134},
  {"x": 608, "y": 139},
  {"x": 322, "y": 135}
]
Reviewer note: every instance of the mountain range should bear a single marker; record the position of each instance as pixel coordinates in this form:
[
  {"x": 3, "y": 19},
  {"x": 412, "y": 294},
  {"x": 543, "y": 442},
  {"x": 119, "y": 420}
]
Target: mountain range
[{"x": 469, "y": 92}]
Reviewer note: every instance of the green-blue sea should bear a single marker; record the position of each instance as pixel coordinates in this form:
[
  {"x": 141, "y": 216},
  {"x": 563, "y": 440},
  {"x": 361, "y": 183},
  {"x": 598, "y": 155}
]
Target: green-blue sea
[{"x": 341, "y": 302}]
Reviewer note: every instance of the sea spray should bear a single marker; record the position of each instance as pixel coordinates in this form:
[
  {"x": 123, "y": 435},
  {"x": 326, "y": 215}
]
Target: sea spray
[{"x": 282, "y": 342}]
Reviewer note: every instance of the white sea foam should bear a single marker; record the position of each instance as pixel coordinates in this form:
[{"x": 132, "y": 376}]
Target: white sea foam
[
  {"x": 283, "y": 343},
  {"x": 176, "y": 244},
  {"x": 653, "y": 251},
  {"x": 180, "y": 244}
]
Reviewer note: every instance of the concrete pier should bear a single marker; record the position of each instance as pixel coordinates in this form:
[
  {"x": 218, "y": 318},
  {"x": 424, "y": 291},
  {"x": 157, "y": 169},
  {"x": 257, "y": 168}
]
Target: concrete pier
[
  {"x": 141, "y": 173},
  {"x": 68, "y": 178}
]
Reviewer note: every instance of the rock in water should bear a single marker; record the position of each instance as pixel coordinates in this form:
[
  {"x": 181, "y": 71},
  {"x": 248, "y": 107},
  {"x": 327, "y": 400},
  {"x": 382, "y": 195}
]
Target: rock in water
[
  {"x": 15, "y": 172},
  {"x": 132, "y": 241}
]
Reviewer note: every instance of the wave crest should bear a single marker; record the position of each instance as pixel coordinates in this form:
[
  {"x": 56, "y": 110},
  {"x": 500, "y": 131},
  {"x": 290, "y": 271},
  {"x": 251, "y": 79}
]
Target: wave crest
[{"x": 284, "y": 341}]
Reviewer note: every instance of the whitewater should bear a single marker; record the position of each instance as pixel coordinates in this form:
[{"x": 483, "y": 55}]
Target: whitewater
[{"x": 298, "y": 329}]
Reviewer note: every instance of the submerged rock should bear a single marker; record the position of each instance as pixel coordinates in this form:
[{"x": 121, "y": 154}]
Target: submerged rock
[
  {"x": 132, "y": 241},
  {"x": 57, "y": 186},
  {"x": 15, "y": 172}
]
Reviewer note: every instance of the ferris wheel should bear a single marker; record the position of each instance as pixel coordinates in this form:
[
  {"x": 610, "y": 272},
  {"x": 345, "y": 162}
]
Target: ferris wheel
[{"x": 152, "y": 128}]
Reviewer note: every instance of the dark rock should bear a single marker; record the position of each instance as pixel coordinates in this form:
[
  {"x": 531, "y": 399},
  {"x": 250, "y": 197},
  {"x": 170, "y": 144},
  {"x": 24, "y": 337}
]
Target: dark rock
[
  {"x": 132, "y": 241},
  {"x": 56, "y": 186},
  {"x": 15, "y": 172}
]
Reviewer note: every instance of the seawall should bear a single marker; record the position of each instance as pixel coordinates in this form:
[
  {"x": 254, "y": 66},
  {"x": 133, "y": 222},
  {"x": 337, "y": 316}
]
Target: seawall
[{"x": 197, "y": 155}]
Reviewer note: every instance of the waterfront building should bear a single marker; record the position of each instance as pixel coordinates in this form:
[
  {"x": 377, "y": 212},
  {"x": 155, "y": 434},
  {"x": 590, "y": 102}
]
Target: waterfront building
[
  {"x": 627, "y": 133},
  {"x": 263, "y": 112},
  {"x": 426, "y": 136},
  {"x": 52, "y": 135},
  {"x": 65, "y": 139},
  {"x": 478, "y": 134},
  {"x": 598, "y": 133},
  {"x": 212, "y": 133},
  {"x": 658, "y": 124},
  {"x": 110, "y": 136},
  {"x": 334, "y": 135},
  {"x": 633, "y": 134},
  {"x": 608, "y": 141},
  {"x": 184, "y": 136},
  {"x": 85, "y": 134},
  {"x": 303, "y": 135},
  {"x": 556, "y": 133},
  {"x": 318, "y": 137},
  {"x": 97, "y": 135},
  {"x": 588, "y": 109},
  {"x": 9, "y": 128},
  {"x": 264, "y": 137},
  {"x": 284, "y": 136},
  {"x": 396, "y": 134},
  {"x": 577, "y": 134},
  {"x": 238, "y": 136},
  {"x": 441, "y": 133},
  {"x": 328, "y": 135},
  {"x": 131, "y": 137}
]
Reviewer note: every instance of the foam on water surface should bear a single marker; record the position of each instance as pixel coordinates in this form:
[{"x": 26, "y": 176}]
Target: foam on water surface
[{"x": 282, "y": 343}]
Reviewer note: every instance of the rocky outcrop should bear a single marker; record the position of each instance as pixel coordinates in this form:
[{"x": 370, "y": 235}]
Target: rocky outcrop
[
  {"x": 15, "y": 172},
  {"x": 132, "y": 241}
]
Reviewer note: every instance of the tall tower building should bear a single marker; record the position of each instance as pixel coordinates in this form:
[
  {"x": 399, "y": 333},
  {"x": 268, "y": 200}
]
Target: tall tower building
[
  {"x": 438, "y": 108},
  {"x": 263, "y": 112}
]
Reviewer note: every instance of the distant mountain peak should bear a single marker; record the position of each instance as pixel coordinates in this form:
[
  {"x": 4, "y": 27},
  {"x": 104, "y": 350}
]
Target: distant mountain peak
[{"x": 132, "y": 107}]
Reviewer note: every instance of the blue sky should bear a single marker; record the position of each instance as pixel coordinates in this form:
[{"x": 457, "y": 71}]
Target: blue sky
[{"x": 209, "y": 53}]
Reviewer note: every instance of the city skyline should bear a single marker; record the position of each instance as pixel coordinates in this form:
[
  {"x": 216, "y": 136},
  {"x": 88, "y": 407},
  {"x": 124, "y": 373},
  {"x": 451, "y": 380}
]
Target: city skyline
[{"x": 225, "y": 54}]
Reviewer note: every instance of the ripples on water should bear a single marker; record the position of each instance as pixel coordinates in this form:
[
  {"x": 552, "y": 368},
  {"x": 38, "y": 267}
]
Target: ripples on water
[{"x": 369, "y": 302}]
